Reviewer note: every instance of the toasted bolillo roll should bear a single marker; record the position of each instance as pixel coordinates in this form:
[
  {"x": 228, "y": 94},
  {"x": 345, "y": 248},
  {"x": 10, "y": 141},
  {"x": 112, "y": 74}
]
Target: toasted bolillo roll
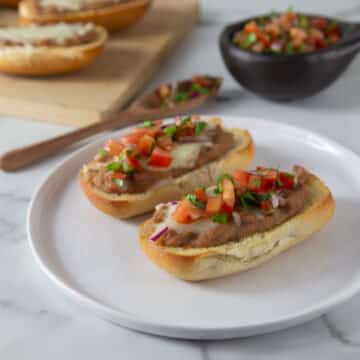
[
  {"x": 113, "y": 15},
  {"x": 241, "y": 222},
  {"x": 49, "y": 49},
  {"x": 158, "y": 162}
]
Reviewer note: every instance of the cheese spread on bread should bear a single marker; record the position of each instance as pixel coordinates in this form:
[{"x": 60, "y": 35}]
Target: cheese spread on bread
[{"x": 58, "y": 33}]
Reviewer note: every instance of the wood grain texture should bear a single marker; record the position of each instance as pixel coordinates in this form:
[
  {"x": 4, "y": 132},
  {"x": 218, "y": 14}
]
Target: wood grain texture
[{"x": 127, "y": 63}]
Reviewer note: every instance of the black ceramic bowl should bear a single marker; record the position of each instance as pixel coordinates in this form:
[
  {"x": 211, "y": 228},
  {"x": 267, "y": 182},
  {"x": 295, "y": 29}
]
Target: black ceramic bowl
[{"x": 288, "y": 77}]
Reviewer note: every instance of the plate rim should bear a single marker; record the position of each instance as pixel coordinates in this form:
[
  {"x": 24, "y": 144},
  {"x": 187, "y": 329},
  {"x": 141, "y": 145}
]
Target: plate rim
[{"x": 178, "y": 331}]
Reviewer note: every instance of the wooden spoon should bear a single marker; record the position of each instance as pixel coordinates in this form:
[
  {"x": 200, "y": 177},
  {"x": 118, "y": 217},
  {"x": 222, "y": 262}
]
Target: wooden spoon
[{"x": 149, "y": 107}]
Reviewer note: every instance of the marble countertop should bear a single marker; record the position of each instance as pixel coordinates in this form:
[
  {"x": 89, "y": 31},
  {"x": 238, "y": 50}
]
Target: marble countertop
[{"x": 36, "y": 322}]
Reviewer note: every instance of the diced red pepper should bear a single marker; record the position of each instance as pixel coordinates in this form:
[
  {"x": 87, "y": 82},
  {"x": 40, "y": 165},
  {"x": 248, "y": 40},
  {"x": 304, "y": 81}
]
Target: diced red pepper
[
  {"x": 113, "y": 147},
  {"x": 214, "y": 205},
  {"x": 160, "y": 158},
  {"x": 201, "y": 195}
]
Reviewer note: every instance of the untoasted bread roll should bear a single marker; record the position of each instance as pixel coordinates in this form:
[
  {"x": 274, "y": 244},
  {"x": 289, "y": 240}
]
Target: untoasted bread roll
[
  {"x": 115, "y": 16},
  {"x": 196, "y": 264},
  {"x": 128, "y": 205},
  {"x": 49, "y": 49}
]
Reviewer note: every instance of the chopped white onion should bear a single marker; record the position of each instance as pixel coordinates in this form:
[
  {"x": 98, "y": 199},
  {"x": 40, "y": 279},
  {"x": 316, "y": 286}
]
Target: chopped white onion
[
  {"x": 275, "y": 201},
  {"x": 210, "y": 191},
  {"x": 237, "y": 218}
]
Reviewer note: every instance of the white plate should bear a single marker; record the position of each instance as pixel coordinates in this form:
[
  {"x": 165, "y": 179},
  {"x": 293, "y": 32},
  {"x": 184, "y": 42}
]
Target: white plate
[{"x": 96, "y": 260}]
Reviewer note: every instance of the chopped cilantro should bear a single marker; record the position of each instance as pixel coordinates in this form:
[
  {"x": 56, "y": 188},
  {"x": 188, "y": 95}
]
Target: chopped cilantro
[
  {"x": 257, "y": 182},
  {"x": 248, "y": 200},
  {"x": 287, "y": 174},
  {"x": 103, "y": 153},
  {"x": 249, "y": 40},
  {"x": 220, "y": 218},
  {"x": 194, "y": 200},
  {"x": 199, "y": 128},
  {"x": 114, "y": 166},
  {"x": 170, "y": 130},
  {"x": 181, "y": 96},
  {"x": 199, "y": 89},
  {"x": 147, "y": 124},
  {"x": 221, "y": 178},
  {"x": 333, "y": 24},
  {"x": 218, "y": 190},
  {"x": 290, "y": 48},
  {"x": 263, "y": 197},
  {"x": 118, "y": 182},
  {"x": 303, "y": 21}
]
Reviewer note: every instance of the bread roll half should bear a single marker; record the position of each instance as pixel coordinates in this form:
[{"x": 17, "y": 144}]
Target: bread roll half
[
  {"x": 195, "y": 264},
  {"x": 37, "y": 60},
  {"x": 129, "y": 205}
]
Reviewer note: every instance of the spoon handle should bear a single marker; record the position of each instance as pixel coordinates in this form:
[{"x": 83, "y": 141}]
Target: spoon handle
[{"x": 26, "y": 155}]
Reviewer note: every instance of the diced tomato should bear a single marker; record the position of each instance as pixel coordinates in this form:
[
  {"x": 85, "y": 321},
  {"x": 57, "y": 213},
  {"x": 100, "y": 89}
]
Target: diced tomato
[
  {"x": 251, "y": 27},
  {"x": 133, "y": 161},
  {"x": 202, "y": 81},
  {"x": 132, "y": 138},
  {"x": 214, "y": 205},
  {"x": 186, "y": 212},
  {"x": 117, "y": 175},
  {"x": 151, "y": 131},
  {"x": 146, "y": 144},
  {"x": 287, "y": 181},
  {"x": 263, "y": 38},
  {"x": 201, "y": 195},
  {"x": 165, "y": 142},
  {"x": 226, "y": 208},
  {"x": 113, "y": 147},
  {"x": 241, "y": 177},
  {"x": 160, "y": 157},
  {"x": 320, "y": 23},
  {"x": 228, "y": 194},
  {"x": 265, "y": 205},
  {"x": 254, "y": 183}
]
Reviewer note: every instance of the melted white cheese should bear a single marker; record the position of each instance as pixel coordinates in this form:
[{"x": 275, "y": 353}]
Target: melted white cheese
[
  {"x": 196, "y": 227},
  {"x": 185, "y": 155},
  {"x": 57, "y": 32}
]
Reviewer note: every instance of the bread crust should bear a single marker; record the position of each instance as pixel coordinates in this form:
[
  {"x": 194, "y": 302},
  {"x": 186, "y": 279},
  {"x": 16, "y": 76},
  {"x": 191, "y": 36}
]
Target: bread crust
[
  {"x": 113, "y": 18},
  {"x": 129, "y": 205},
  {"x": 50, "y": 60},
  {"x": 207, "y": 263}
]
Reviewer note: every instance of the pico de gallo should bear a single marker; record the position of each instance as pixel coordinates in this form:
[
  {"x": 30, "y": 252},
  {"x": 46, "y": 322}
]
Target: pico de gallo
[
  {"x": 239, "y": 205},
  {"x": 154, "y": 152},
  {"x": 287, "y": 33},
  {"x": 170, "y": 94}
]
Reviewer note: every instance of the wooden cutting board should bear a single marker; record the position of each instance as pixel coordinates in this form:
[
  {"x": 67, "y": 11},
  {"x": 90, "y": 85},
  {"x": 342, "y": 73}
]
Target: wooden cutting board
[{"x": 127, "y": 63}]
